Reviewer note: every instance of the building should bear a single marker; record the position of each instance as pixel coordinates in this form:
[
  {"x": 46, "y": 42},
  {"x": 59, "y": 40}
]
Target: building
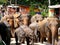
[{"x": 54, "y": 10}]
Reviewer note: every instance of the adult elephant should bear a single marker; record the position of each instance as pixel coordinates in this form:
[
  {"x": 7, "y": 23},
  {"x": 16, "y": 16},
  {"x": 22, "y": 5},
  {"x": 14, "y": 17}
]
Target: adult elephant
[
  {"x": 25, "y": 19},
  {"x": 10, "y": 21},
  {"x": 13, "y": 22},
  {"x": 34, "y": 26},
  {"x": 49, "y": 28}
]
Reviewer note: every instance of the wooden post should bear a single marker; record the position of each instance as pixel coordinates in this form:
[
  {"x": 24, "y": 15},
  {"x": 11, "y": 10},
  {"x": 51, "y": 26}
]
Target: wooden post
[{"x": 59, "y": 13}]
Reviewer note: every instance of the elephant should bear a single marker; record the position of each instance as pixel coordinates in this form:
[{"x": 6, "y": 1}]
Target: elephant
[
  {"x": 22, "y": 33},
  {"x": 34, "y": 27},
  {"x": 9, "y": 19},
  {"x": 13, "y": 22},
  {"x": 49, "y": 28},
  {"x": 16, "y": 20},
  {"x": 25, "y": 19}
]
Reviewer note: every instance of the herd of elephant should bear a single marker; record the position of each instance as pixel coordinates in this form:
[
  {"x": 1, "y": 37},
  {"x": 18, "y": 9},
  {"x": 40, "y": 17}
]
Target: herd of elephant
[{"x": 33, "y": 29}]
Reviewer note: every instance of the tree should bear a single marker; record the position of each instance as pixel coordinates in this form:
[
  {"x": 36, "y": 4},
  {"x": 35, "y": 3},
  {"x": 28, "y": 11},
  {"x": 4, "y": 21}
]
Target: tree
[
  {"x": 3, "y": 1},
  {"x": 42, "y": 4}
]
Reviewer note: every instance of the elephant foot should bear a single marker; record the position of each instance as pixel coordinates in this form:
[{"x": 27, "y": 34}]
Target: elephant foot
[
  {"x": 56, "y": 42},
  {"x": 31, "y": 42},
  {"x": 42, "y": 39}
]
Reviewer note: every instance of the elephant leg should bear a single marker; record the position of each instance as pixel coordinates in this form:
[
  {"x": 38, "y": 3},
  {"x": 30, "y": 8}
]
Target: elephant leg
[
  {"x": 12, "y": 32},
  {"x": 49, "y": 39},
  {"x": 44, "y": 39},
  {"x": 56, "y": 38},
  {"x": 31, "y": 40},
  {"x": 27, "y": 40},
  {"x": 22, "y": 39},
  {"x": 41, "y": 39},
  {"x": 35, "y": 38},
  {"x": 53, "y": 41},
  {"x": 16, "y": 39},
  {"x": 53, "y": 38},
  {"x": 35, "y": 32},
  {"x": 49, "y": 36},
  {"x": 38, "y": 33}
]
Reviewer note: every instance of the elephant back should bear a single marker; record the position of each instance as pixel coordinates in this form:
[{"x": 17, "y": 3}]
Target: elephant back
[
  {"x": 20, "y": 32},
  {"x": 52, "y": 20},
  {"x": 27, "y": 30},
  {"x": 36, "y": 17}
]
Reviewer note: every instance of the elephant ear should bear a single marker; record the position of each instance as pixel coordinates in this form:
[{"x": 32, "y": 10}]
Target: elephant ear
[
  {"x": 52, "y": 21},
  {"x": 56, "y": 21}
]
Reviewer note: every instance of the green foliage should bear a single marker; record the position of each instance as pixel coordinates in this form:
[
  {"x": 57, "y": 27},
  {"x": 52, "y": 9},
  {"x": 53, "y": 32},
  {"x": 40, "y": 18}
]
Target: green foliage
[
  {"x": 23, "y": 2},
  {"x": 54, "y": 2},
  {"x": 32, "y": 10},
  {"x": 44, "y": 13},
  {"x": 42, "y": 4},
  {"x": 3, "y": 1},
  {"x": 44, "y": 10}
]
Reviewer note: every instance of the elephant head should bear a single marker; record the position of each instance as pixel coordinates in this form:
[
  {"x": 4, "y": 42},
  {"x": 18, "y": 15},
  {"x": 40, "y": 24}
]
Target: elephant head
[
  {"x": 25, "y": 19},
  {"x": 36, "y": 18}
]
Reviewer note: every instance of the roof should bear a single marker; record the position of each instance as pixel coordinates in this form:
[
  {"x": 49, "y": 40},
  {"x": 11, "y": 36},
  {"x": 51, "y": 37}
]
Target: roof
[
  {"x": 1, "y": 6},
  {"x": 12, "y": 6},
  {"x": 54, "y": 6},
  {"x": 22, "y": 6}
]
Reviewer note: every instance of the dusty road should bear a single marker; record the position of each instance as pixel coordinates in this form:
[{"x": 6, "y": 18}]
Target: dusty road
[{"x": 13, "y": 43}]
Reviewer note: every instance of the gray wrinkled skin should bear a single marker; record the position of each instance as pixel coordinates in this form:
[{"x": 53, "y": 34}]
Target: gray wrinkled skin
[
  {"x": 49, "y": 23},
  {"x": 20, "y": 33},
  {"x": 27, "y": 30},
  {"x": 34, "y": 27},
  {"x": 23, "y": 31}
]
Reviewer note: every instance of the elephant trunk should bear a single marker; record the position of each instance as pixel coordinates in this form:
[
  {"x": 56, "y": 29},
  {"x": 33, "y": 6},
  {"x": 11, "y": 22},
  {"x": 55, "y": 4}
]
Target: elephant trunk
[{"x": 53, "y": 30}]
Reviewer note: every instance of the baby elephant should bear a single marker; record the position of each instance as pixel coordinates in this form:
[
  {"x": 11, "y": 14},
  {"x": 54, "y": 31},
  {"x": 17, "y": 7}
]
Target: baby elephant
[{"x": 22, "y": 33}]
